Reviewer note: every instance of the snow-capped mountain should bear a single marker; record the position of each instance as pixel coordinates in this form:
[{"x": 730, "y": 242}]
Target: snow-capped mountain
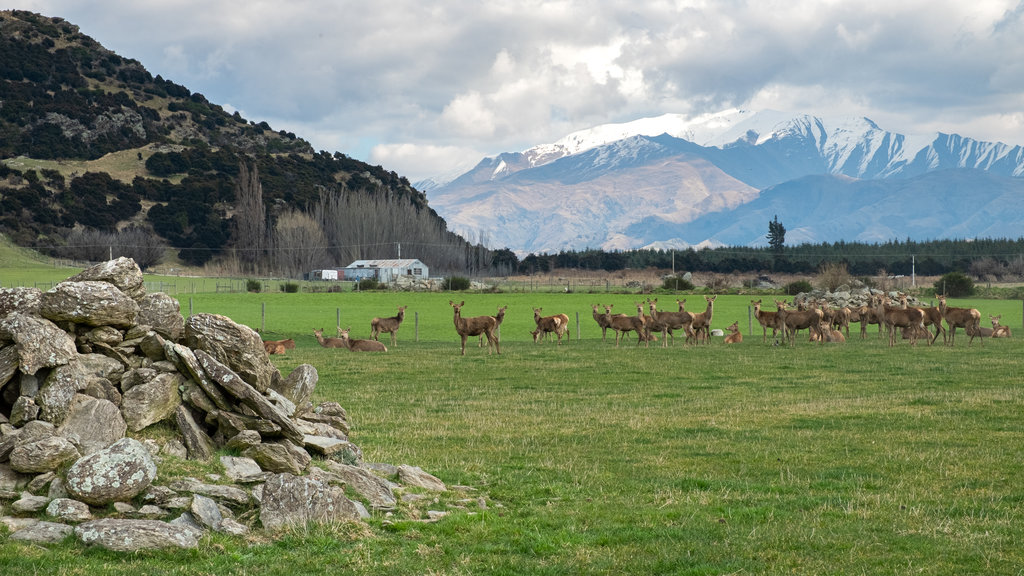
[{"x": 672, "y": 181}]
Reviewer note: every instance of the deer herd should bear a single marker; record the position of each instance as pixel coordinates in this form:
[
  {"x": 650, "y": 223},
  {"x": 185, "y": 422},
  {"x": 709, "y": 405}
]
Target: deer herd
[{"x": 823, "y": 323}]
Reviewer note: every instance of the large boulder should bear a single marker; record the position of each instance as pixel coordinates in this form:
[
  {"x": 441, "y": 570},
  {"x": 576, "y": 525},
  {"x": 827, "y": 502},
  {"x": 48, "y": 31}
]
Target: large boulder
[
  {"x": 235, "y": 345},
  {"x": 58, "y": 390},
  {"x": 92, "y": 424},
  {"x": 375, "y": 489},
  {"x": 39, "y": 342},
  {"x": 122, "y": 272},
  {"x": 24, "y": 300},
  {"x": 43, "y": 455},
  {"x": 153, "y": 401},
  {"x": 279, "y": 457},
  {"x": 90, "y": 303},
  {"x": 289, "y": 499},
  {"x": 298, "y": 387},
  {"x": 115, "y": 474},
  {"x": 133, "y": 535},
  {"x": 163, "y": 314}
]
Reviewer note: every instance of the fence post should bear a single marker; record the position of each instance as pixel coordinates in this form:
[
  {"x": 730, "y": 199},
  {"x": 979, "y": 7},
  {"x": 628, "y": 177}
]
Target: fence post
[
  {"x": 750, "y": 321},
  {"x": 337, "y": 317},
  {"x": 263, "y": 318},
  {"x": 416, "y": 318},
  {"x": 577, "y": 326},
  {"x": 190, "y": 306}
]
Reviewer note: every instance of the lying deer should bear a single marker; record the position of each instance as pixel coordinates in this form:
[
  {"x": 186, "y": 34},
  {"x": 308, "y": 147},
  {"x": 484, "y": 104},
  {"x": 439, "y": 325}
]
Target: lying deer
[
  {"x": 998, "y": 330},
  {"x": 357, "y": 345},
  {"x": 734, "y": 336},
  {"x": 278, "y": 346},
  {"x": 389, "y": 325},
  {"x": 475, "y": 326},
  {"x": 830, "y": 334},
  {"x": 328, "y": 342},
  {"x": 961, "y": 318}
]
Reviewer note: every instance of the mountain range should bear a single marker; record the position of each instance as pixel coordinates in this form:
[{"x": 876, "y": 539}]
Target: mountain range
[{"x": 673, "y": 182}]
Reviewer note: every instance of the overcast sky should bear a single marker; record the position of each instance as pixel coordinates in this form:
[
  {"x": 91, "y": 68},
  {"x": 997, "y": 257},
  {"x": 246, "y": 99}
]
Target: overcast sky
[{"x": 422, "y": 87}]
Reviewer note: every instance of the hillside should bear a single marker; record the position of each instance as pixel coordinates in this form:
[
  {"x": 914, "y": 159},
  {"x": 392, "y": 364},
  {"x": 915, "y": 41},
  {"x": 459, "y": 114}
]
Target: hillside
[{"x": 96, "y": 154}]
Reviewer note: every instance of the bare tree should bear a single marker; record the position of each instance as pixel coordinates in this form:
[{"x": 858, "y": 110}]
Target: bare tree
[
  {"x": 299, "y": 244},
  {"x": 250, "y": 221}
]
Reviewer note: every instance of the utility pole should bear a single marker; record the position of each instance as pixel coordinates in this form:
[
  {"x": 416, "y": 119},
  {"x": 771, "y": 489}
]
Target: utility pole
[
  {"x": 399, "y": 244},
  {"x": 913, "y": 270}
]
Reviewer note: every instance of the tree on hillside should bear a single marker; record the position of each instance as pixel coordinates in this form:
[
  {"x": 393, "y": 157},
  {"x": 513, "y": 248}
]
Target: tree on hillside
[
  {"x": 299, "y": 244},
  {"x": 776, "y": 235},
  {"x": 250, "y": 219}
]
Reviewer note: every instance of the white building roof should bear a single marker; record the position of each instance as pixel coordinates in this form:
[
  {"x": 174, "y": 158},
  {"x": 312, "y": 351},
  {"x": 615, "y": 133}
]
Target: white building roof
[{"x": 387, "y": 263}]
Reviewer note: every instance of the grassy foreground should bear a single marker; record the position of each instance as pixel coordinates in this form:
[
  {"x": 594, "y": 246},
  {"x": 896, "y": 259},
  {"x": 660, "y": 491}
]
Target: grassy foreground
[{"x": 753, "y": 459}]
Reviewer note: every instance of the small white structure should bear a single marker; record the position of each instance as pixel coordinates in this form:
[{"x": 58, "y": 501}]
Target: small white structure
[
  {"x": 323, "y": 275},
  {"x": 386, "y": 271}
]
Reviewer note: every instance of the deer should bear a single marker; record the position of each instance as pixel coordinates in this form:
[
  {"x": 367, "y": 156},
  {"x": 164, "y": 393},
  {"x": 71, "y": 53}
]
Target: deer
[
  {"x": 998, "y": 330},
  {"x": 666, "y": 322},
  {"x": 932, "y": 317},
  {"x": 865, "y": 315},
  {"x": 734, "y": 336},
  {"x": 475, "y": 326},
  {"x": 767, "y": 319},
  {"x": 557, "y": 324},
  {"x": 960, "y": 318},
  {"x": 895, "y": 317},
  {"x": 328, "y": 342},
  {"x": 498, "y": 319},
  {"x": 278, "y": 346},
  {"x": 357, "y": 345},
  {"x": 830, "y": 334},
  {"x": 389, "y": 325},
  {"x": 701, "y": 323},
  {"x": 793, "y": 320},
  {"x": 621, "y": 324},
  {"x": 601, "y": 320}
]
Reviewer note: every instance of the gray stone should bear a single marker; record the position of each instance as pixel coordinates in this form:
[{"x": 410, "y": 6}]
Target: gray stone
[
  {"x": 9, "y": 365},
  {"x": 376, "y": 490},
  {"x": 115, "y": 474},
  {"x": 19, "y": 299},
  {"x": 242, "y": 470},
  {"x": 206, "y": 512},
  {"x": 279, "y": 457},
  {"x": 29, "y": 503},
  {"x": 43, "y": 455},
  {"x": 103, "y": 335},
  {"x": 237, "y": 346},
  {"x": 42, "y": 532},
  {"x": 296, "y": 500},
  {"x": 151, "y": 402},
  {"x": 40, "y": 481},
  {"x": 163, "y": 314},
  {"x": 244, "y": 439},
  {"x": 415, "y": 476},
  {"x": 122, "y": 535},
  {"x": 122, "y": 272},
  {"x": 69, "y": 510},
  {"x": 92, "y": 424},
  {"x": 175, "y": 448},
  {"x": 39, "y": 342},
  {"x": 24, "y": 410},
  {"x": 152, "y": 346},
  {"x": 197, "y": 441},
  {"x": 151, "y": 511},
  {"x": 230, "y": 494},
  {"x": 90, "y": 303},
  {"x": 298, "y": 387},
  {"x": 232, "y": 527},
  {"x": 325, "y": 445},
  {"x": 187, "y": 363}
]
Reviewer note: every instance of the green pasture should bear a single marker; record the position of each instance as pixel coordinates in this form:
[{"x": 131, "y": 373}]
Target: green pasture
[{"x": 710, "y": 459}]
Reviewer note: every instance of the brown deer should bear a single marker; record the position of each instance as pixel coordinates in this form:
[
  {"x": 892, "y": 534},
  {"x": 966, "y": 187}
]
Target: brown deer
[
  {"x": 961, "y": 318},
  {"x": 328, "y": 342},
  {"x": 998, "y": 330},
  {"x": 545, "y": 324},
  {"x": 622, "y": 324},
  {"x": 389, "y": 325},
  {"x": 866, "y": 316},
  {"x": 357, "y": 345},
  {"x": 475, "y": 326},
  {"x": 932, "y": 317},
  {"x": 896, "y": 317},
  {"x": 666, "y": 322},
  {"x": 278, "y": 346},
  {"x": 701, "y": 323},
  {"x": 602, "y": 321},
  {"x": 767, "y": 319},
  {"x": 734, "y": 336},
  {"x": 498, "y": 319},
  {"x": 830, "y": 334},
  {"x": 794, "y": 320}
]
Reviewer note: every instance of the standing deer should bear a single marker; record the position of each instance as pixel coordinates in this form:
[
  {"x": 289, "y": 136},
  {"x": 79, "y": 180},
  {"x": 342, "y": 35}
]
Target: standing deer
[
  {"x": 498, "y": 319},
  {"x": 895, "y": 317},
  {"x": 357, "y": 345},
  {"x": 666, "y": 322},
  {"x": 602, "y": 321},
  {"x": 767, "y": 319},
  {"x": 793, "y": 320},
  {"x": 545, "y": 324},
  {"x": 328, "y": 342},
  {"x": 475, "y": 326},
  {"x": 932, "y": 317},
  {"x": 622, "y": 324},
  {"x": 961, "y": 318},
  {"x": 734, "y": 336},
  {"x": 387, "y": 325},
  {"x": 998, "y": 330},
  {"x": 701, "y": 323},
  {"x": 865, "y": 315}
]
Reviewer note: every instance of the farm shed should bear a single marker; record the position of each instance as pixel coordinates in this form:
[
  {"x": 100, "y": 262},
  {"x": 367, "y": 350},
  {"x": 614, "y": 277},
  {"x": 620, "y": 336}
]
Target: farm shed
[
  {"x": 326, "y": 275},
  {"x": 386, "y": 270}
]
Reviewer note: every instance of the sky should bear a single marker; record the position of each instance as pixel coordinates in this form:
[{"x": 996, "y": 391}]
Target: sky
[{"x": 427, "y": 88}]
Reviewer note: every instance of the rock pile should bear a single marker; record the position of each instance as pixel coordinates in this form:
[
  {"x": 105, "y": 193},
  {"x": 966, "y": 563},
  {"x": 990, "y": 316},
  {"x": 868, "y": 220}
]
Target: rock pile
[{"x": 97, "y": 358}]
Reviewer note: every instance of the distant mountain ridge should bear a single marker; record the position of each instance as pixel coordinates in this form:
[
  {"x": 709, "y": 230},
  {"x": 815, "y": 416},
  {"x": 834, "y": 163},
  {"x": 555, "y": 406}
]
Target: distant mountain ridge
[{"x": 667, "y": 181}]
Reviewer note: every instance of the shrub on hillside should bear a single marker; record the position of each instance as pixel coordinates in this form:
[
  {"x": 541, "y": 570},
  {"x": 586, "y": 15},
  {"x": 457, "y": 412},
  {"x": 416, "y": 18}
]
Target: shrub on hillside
[
  {"x": 676, "y": 283},
  {"x": 368, "y": 284},
  {"x": 253, "y": 286},
  {"x": 955, "y": 285},
  {"x": 290, "y": 287},
  {"x": 456, "y": 283},
  {"x": 797, "y": 287}
]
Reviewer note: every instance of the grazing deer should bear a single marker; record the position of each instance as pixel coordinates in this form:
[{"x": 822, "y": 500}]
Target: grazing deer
[
  {"x": 666, "y": 322},
  {"x": 961, "y": 318},
  {"x": 602, "y": 321},
  {"x": 734, "y": 336},
  {"x": 328, "y": 342},
  {"x": 387, "y": 325},
  {"x": 545, "y": 324},
  {"x": 357, "y": 345},
  {"x": 701, "y": 323},
  {"x": 622, "y": 323},
  {"x": 998, "y": 330},
  {"x": 794, "y": 320},
  {"x": 895, "y": 317},
  {"x": 767, "y": 319},
  {"x": 932, "y": 317},
  {"x": 475, "y": 326}
]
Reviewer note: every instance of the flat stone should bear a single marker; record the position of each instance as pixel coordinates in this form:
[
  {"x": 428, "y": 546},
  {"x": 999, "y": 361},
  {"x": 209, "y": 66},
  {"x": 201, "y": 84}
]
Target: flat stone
[{"x": 125, "y": 535}]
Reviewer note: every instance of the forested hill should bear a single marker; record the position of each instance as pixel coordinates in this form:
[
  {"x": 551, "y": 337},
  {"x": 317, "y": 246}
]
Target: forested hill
[{"x": 97, "y": 154}]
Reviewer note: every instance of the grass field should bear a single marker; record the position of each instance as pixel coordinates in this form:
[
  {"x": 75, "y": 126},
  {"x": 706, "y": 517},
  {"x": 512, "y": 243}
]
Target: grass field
[{"x": 714, "y": 459}]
